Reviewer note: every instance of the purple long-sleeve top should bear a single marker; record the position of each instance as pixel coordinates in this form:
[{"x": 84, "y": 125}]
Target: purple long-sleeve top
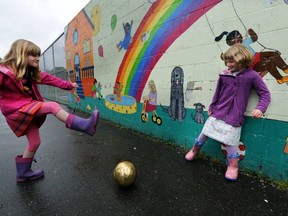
[{"x": 232, "y": 93}]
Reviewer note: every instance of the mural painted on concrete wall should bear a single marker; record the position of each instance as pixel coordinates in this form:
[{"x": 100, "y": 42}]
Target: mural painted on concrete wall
[
  {"x": 116, "y": 78},
  {"x": 164, "y": 22},
  {"x": 79, "y": 54},
  {"x": 152, "y": 38},
  {"x": 144, "y": 50},
  {"x": 76, "y": 59},
  {"x": 267, "y": 60}
]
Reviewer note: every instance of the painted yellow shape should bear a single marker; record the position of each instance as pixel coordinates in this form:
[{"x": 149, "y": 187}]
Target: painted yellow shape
[
  {"x": 95, "y": 16},
  {"x": 120, "y": 108}
]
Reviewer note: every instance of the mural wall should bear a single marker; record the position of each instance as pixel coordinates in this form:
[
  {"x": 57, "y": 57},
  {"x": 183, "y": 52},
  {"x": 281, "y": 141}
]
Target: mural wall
[{"x": 152, "y": 65}]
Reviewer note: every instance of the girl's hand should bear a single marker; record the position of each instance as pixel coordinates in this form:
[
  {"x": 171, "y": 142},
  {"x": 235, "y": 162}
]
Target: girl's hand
[
  {"x": 75, "y": 85},
  {"x": 257, "y": 113}
]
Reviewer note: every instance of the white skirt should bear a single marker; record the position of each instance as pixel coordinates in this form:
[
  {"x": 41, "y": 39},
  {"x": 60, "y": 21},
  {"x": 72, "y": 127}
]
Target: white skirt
[{"x": 222, "y": 132}]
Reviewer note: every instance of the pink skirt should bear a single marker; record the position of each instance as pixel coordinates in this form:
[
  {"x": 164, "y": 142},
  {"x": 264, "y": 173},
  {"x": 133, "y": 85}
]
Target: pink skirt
[{"x": 20, "y": 120}]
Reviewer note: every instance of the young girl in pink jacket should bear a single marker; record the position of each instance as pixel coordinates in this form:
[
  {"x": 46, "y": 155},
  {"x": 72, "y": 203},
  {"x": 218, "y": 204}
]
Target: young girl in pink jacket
[{"x": 24, "y": 108}]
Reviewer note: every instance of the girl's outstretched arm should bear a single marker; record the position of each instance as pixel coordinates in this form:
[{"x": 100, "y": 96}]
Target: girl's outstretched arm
[{"x": 49, "y": 79}]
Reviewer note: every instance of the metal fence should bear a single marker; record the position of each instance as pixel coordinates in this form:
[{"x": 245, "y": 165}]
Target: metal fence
[{"x": 53, "y": 61}]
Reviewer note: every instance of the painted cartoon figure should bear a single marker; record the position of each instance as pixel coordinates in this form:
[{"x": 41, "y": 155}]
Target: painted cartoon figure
[
  {"x": 264, "y": 61},
  {"x": 96, "y": 89},
  {"x": 145, "y": 36},
  {"x": 99, "y": 87},
  {"x": 150, "y": 105},
  {"x": 198, "y": 115},
  {"x": 176, "y": 110},
  {"x": 127, "y": 38},
  {"x": 117, "y": 90},
  {"x": 151, "y": 99},
  {"x": 76, "y": 97}
]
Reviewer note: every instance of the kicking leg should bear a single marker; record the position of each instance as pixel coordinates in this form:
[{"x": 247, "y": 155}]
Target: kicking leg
[{"x": 72, "y": 121}]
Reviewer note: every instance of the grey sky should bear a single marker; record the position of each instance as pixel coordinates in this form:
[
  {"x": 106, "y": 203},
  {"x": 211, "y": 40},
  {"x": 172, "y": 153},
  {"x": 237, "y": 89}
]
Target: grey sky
[{"x": 40, "y": 21}]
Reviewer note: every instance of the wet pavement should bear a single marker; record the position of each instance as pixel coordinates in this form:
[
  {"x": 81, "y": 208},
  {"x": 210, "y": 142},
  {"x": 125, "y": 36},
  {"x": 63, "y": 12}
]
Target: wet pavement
[{"x": 78, "y": 178}]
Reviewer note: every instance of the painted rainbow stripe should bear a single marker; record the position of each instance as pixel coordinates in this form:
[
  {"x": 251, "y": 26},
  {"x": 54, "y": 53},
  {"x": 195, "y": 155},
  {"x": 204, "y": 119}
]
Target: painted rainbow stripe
[{"x": 166, "y": 20}]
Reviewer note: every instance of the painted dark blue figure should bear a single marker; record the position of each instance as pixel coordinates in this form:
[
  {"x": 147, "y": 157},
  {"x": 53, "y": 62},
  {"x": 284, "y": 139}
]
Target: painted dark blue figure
[{"x": 127, "y": 38}]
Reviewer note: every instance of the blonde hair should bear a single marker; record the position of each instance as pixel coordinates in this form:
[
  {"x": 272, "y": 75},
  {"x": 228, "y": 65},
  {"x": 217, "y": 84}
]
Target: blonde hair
[
  {"x": 152, "y": 86},
  {"x": 17, "y": 58},
  {"x": 240, "y": 54}
]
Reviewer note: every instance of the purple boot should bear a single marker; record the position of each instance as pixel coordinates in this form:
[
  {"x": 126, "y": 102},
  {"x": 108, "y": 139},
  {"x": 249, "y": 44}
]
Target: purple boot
[
  {"x": 87, "y": 126},
  {"x": 24, "y": 172}
]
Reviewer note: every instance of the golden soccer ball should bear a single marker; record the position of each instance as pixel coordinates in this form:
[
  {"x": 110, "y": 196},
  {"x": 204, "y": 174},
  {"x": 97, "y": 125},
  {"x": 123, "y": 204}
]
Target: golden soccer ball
[{"x": 125, "y": 173}]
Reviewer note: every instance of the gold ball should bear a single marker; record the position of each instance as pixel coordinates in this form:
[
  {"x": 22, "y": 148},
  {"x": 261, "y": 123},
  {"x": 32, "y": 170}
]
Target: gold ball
[{"x": 125, "y": 173}]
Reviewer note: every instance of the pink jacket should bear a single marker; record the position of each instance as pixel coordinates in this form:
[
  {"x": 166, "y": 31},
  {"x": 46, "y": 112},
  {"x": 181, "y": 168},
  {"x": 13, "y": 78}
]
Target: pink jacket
[{"x": 12, "y": 95}]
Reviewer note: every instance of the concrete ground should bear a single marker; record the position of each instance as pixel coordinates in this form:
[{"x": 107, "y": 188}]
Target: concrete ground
[{"x": 78, "y": 178}]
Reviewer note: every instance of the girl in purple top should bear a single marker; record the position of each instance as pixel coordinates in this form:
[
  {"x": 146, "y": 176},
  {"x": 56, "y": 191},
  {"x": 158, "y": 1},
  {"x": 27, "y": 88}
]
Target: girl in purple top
[
  {"x": 24, "y": 108},
  {"x": 229, "y": 104}
]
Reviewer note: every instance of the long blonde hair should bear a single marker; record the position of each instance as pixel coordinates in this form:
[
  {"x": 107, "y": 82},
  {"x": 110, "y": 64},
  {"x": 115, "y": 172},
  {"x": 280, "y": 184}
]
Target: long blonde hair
[
  {"x": 152, "y": 86},
  {"x": 17, "y": 58},
  {"x": 240, "y": 54}
]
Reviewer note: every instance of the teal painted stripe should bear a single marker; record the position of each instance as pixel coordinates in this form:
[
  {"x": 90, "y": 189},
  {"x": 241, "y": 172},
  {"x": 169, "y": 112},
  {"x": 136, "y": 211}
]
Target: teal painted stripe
[{"x": 264, "y": 139}]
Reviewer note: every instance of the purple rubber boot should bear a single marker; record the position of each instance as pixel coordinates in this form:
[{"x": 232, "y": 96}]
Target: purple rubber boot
[
  {"x": 87, "y": 126},
  {"x": 24, "y": 172}
]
